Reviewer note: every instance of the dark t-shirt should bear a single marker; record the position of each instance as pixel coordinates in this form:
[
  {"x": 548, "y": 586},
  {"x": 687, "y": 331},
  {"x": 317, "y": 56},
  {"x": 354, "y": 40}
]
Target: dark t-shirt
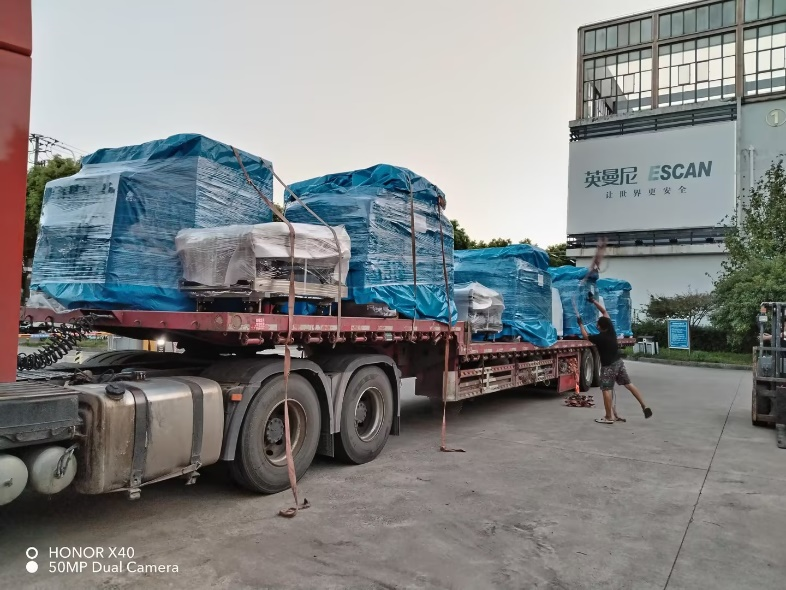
[{"x": 609, "y": 351}]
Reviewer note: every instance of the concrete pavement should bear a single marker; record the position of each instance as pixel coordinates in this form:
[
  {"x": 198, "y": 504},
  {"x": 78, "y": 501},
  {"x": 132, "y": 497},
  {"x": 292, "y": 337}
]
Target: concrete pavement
[{"x": 543, "y": 498}]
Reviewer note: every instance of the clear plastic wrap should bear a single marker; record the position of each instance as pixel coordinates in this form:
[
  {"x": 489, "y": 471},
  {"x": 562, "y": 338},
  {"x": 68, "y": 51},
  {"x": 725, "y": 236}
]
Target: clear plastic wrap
[
  {"x": 616, "y": 296},
  {"x": 374, "y": 207},
  {"x": 480, "y": 307},
  {"x": 519, "y": 274},
  {"x": 557, "y": 312},
  {"x": 107, "y": 237},
  {"x": 241, "y": 254},
  {"x": 574, "y": 292}
]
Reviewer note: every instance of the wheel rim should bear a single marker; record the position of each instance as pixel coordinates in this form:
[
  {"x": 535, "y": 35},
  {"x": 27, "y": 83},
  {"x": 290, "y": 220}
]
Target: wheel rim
[
  {"x": 273, "y": 435},
  {"x": 369, "y": 414},
  {"x": 588, "y": 369}
]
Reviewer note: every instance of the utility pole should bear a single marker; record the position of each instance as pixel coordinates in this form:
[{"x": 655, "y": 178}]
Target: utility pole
[
  {"x": 37, "y": 148},
  {"x": 41, "y": 145}
]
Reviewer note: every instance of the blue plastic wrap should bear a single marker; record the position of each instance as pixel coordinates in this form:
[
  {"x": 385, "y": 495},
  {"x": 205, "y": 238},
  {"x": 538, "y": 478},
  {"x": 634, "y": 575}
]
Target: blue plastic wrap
[
  {"x": 573, "y": 292},
  {"x": 107, "y": 237},
  {"x": 616, "y": 296},
  {"x": 519, "y": 274},
  {"x": 374, "y": 207}
]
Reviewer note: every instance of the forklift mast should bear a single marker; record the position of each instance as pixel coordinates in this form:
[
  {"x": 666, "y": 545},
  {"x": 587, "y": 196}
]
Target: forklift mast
[
  {"x": 16, "y": 47},
  {"x": 769, "y": 367}
]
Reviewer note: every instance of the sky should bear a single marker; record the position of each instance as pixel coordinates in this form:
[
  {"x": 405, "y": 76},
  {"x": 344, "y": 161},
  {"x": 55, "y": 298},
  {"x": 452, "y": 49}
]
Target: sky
[{"x": 474, "y": 95}]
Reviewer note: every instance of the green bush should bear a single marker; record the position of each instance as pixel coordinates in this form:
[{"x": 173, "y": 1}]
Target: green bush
[
  {"x": 704, "y": 338},
  {"x": 698, "y": 356}
]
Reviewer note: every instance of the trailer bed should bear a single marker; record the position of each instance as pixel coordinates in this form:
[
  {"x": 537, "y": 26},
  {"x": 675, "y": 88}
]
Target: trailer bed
[{"x": 250, "y": 329}]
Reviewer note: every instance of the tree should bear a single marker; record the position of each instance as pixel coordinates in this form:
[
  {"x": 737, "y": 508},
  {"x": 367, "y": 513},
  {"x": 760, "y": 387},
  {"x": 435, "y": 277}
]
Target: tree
[
  {"x": 760, "y": 232},
  {"x": 691, "y": 306},
  {"x": 461, "y": 240},
  {"x": 740, "y": 293},
  {"x": 37, "y": 177},
  {"x": 756, "y": 267},
  {"x": 496, "y": 243},
  {"x": 558, "y": 255},
  {"x": 281, "y": 210}
]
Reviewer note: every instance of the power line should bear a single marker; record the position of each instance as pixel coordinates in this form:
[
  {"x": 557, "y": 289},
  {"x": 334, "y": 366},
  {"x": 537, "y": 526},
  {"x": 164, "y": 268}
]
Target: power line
[{"x": 42, "y": 145}]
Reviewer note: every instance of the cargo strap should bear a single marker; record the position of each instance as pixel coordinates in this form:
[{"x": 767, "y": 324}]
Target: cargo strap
[
  {"x": 338, "y": 337},
  {"x": 198, "y": 401},
  {"x": 141, "y": 429},
  {"x": 292, "y": 511},
  {"x": 446, "y": 369},
  {"x": 573, "y": 367},
  {"x": 594, "y": 267}
]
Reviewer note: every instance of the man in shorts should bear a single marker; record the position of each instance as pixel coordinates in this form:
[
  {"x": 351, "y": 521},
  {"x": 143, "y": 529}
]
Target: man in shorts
[{"x": 612, "y": 368}]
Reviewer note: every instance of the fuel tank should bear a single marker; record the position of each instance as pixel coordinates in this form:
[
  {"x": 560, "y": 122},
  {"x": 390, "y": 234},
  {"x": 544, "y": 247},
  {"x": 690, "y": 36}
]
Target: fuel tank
[
  {"x": 13, "y": 478},
  {"x": 138, "y": 431}
]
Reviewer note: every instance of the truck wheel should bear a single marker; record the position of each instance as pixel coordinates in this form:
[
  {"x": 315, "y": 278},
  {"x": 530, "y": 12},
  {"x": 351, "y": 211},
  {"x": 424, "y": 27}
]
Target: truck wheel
[
  {"x": 586, "y": 370},
  {"x": 596, "y": 371},
  {"x": 260, "y": 463},
  {"x": 366, "y": 416}
]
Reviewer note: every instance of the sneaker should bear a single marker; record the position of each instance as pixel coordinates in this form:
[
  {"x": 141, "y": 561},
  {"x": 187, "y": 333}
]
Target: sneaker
[
  {"x": 604, "y": 421},
  {"x": 647, "y": 413}
]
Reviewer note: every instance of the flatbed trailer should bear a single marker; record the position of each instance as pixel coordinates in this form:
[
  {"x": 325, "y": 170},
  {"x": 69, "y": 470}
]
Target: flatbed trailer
[
  {"x": 222, "y": 398},
  {"x": 474, "y": 367}
]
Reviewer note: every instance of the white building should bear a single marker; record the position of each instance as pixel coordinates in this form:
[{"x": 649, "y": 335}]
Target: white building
[{"x": 679, "y": 112}]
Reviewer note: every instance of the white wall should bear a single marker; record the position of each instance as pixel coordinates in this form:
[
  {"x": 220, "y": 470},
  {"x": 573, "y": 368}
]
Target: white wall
[{"x": 659, "y": 270}]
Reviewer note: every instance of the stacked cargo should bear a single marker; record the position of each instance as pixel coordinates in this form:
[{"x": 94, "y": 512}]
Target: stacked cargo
[
  {"x": 574, "y": 285},
  {"x": 480, "y": 307},
  {"x": 382, "y": 208},
  {"x": 616, "y": 298},
  {"x": 107, "y": 237},
  {"x": 520, "y": 275},
  {"x": 260, "y": 257}
]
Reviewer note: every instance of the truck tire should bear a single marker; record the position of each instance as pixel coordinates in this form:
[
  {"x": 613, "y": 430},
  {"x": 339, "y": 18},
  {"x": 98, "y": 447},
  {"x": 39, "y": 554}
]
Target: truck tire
[
  {"x": 596, "y": 372},
  {"x": 586, "y": 370},
  {"x": 366, "y": 416},
  {"x": 260, "y": 461}
]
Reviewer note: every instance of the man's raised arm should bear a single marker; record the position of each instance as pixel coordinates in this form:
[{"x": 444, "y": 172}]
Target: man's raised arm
[{"x": 598, "y": 304}]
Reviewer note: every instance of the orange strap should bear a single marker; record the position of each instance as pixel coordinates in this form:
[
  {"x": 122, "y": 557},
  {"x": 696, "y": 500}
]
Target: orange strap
[
  {"x": 289, "y": 512},
  {"x": 443, "y": 443}
]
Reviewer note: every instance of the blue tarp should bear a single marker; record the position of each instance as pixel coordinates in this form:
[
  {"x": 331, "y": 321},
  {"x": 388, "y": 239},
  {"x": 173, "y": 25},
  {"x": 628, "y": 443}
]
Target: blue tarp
[
  {"x": 616, "y": 296},
  {"x": 374, "y": 207},
  {"x": 520, "y": 274},
  {"x": 107, "y": 237},
  {"x": 573, "y": 291}
]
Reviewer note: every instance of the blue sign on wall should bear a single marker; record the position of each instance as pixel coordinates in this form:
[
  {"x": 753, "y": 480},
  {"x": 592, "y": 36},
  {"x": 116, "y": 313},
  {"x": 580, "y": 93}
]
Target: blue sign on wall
[{"x": 679, "y": 334}]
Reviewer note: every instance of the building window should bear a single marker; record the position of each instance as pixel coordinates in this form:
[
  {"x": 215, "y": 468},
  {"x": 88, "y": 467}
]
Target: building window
[
  {"x": 618, "y": 36},
  {"x": 698, "y": 20},
  {"x": 765, "y": 59},
  {"x": 619, "y": 83},
  {"x": 763, "y": 9},
  {"x": 697, "y": 71}
]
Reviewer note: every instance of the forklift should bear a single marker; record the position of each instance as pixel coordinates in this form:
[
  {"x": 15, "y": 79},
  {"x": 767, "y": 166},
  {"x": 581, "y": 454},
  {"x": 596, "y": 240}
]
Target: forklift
[{"x": 768, "y": 407}]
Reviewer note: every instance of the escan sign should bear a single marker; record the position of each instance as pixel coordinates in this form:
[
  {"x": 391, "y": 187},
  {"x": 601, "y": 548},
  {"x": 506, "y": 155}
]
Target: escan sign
[{"x": 674, "y": 179}]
